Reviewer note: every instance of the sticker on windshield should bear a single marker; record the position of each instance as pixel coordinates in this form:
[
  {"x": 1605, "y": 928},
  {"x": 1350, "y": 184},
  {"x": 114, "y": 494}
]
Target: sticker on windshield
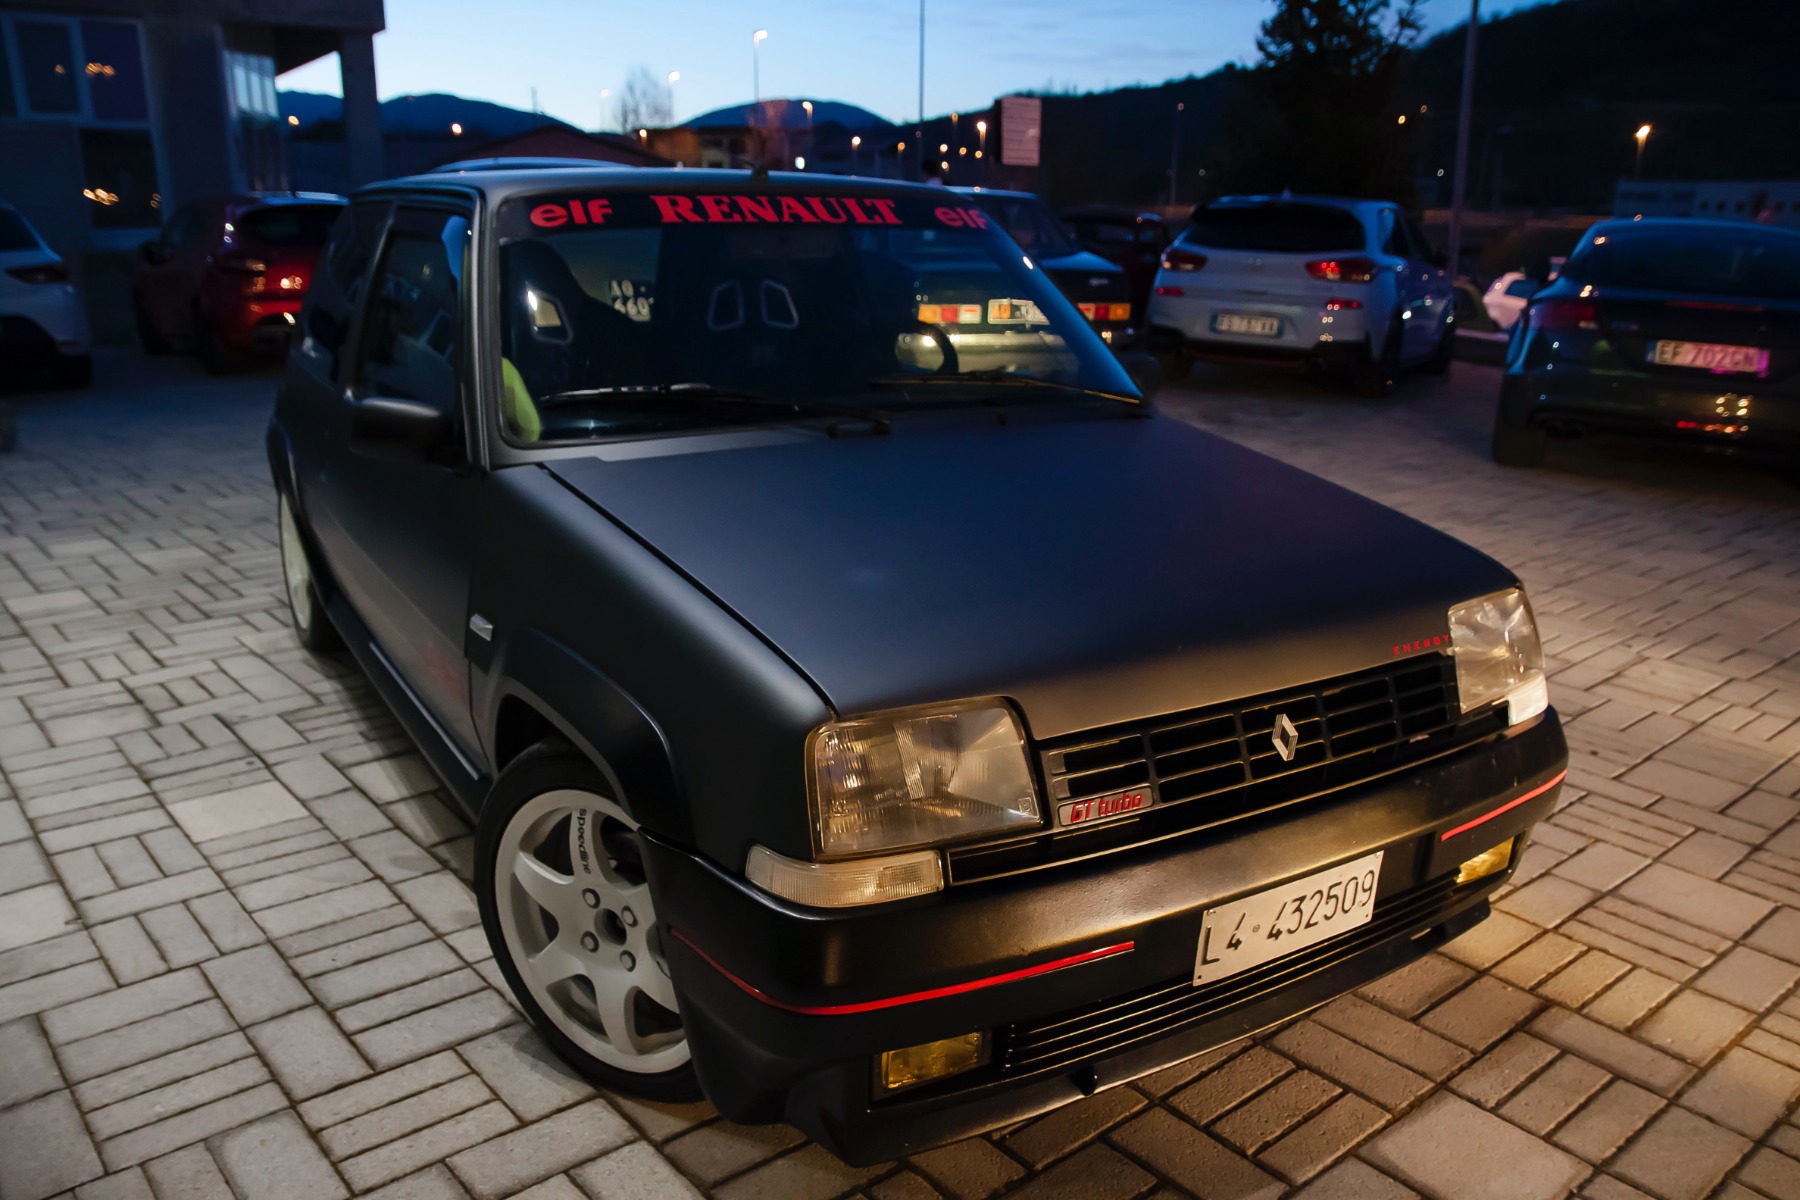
[
  {"x": 535, "y": 215},
  {"x": 1014, "y": 312}
]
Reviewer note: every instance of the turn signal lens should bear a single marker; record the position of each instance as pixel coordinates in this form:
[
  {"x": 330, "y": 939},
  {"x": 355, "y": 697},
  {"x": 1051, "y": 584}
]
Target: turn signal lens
[
  {"x": 1175, "y": 258},
  {"x": 844, "y": 884},
  {"x": 898, "y": 1069},
  {"x": 40, "y": 273},
  {"x": 1562, "y": 313},
  {"x": 1488, "y": 862}
]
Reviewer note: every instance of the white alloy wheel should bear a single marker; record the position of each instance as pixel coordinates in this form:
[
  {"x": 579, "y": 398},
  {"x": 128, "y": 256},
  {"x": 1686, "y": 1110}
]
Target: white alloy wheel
[
  {"x": 579, "y": 926},
  {"x": 297, "y": 571}
]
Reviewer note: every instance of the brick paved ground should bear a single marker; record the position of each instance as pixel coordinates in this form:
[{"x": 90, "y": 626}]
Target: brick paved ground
[{"x": 236, "y": 956}]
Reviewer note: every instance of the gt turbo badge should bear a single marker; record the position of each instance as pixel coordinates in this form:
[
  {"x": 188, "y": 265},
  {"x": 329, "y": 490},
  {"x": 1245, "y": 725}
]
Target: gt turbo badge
[{"x": 1095, "y": 808}]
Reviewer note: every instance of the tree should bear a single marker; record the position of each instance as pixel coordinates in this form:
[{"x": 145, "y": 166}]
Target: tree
[
  {"x": 1323, "y": 112},
  {"x": 645, "y": 101}
]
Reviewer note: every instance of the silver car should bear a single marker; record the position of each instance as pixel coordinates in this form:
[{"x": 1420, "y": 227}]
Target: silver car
[{"x": 1349, "y": 286}]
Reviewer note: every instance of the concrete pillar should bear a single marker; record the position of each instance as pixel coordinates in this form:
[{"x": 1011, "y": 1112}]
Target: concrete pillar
[
  {"x": 189, "y": 95},
  {"x": 362, "y": 111}
]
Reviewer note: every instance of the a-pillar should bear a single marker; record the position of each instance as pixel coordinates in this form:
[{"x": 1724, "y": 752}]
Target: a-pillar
[{"x": 362, "y": 111}]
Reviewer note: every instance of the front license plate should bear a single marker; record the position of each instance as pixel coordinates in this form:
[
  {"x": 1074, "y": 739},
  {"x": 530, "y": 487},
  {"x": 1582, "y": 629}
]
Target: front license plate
[
  {"x": 1710, "y": 356},
  {"x": 1242, "y": 323},
  {"x": 1249, "y": 932}
]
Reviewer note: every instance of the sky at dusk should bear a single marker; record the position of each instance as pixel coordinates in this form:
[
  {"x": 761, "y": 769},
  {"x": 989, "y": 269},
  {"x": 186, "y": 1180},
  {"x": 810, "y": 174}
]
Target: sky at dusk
[{"x": 852, "y": 50}]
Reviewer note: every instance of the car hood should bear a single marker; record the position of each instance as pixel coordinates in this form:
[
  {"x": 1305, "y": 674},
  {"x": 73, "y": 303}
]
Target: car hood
[{"x": 1090, "y": 570}]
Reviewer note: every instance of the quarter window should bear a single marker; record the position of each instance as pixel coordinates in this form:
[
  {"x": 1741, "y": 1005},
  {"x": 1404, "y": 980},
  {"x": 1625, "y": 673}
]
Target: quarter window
[{"x": 413, "y": 336}]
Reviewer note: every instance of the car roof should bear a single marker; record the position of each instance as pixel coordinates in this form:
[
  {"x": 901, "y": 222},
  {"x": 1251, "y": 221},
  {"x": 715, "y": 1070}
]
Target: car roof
[
  {"x": 1003, "y": 192},
  {"x": 501, "y": 184},
  {"x": 525, "y": 163},
  {"x": 1349, "y": 203},
  {"x": 1115, "y": 212},
  {"x": 1672, "y": 224},
  {"x": 280, "y": 199}
]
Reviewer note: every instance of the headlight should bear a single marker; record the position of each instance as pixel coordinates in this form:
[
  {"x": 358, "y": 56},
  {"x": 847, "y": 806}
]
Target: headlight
[
  {"x": 1494, "y": 642},
  {"x": 919, "y": 777}
]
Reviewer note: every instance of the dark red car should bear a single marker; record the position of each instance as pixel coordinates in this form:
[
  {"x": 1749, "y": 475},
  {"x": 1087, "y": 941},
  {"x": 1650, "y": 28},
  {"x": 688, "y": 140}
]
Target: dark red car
[
  {"x": 1129, "y": 238},
  {"x": 226, "y": 277}
]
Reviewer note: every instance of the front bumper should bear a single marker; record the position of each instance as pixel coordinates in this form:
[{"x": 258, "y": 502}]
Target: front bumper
[
  {"x": 1721, "y": 413},
  {"x": 787, "y": 1007}
]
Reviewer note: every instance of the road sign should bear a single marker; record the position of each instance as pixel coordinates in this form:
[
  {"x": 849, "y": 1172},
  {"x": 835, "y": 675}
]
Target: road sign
[{"x": 1021, "y": 129}]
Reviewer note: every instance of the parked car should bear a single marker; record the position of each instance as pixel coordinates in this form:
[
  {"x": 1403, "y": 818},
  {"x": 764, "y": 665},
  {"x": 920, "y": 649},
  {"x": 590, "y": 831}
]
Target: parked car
[
  {"x": 1129, "y": 238},
  {"x": 43, "y": 325},
  {"x": 1348, "y": 286},
  {"x": 225, "y": 278},
  {"x": 842, "y": 741},
  {"x": 1676, "y": 328},
  {"x": 1507, "y": 296},
  {"x": 1100, "y": 289}
]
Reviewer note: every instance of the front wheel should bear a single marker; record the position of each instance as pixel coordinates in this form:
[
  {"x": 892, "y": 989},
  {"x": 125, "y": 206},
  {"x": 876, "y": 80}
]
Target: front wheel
[
  {"x": 1375, "y": 379},
  {"x": 1439, "y": 362},
  {"x": 311, "y": 626},
  {"x": 568, "y": 911}
]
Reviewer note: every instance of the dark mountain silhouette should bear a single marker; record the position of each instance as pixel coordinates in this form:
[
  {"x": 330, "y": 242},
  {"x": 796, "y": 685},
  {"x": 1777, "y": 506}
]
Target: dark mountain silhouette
[
  {"x": 788, "y": 114},
  {"x": 429, "y": 115}
]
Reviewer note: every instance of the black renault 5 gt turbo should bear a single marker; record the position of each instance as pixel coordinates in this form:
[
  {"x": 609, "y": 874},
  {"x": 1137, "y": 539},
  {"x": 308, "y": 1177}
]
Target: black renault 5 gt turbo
[
  {"x": 1685, "y": 330},
  {"x": 878, "y": 723}
]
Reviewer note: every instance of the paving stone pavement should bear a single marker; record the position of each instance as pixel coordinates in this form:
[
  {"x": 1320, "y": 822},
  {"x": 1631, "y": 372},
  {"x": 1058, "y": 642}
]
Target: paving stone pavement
[{"x": 237, "y": 956}]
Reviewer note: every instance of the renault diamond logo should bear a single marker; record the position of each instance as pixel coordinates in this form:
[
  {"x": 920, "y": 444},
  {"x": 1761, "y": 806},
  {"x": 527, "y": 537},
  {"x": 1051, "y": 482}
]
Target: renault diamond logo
[{"x": 1286, "y": 738}]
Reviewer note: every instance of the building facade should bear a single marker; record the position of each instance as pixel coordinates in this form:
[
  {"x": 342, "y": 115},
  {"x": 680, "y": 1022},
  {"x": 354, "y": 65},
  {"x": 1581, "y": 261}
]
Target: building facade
[{"x": 114, "y": 113}]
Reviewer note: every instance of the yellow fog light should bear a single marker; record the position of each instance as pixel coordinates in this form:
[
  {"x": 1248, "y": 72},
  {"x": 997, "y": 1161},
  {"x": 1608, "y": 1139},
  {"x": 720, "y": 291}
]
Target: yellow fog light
[
  {"x": 914, "y": 1065},
  {"x": 1488, "y": 862}
]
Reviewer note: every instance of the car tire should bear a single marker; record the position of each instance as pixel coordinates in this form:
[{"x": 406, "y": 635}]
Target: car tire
[
  {"x": 575, "y": 933},
  {"x": 218, "y": 357},
  {"x": 1439, "y": 362},
  {"x": 1519, "y": 445},
  {"x": 153, "y": 342},
  {"x": 306, "y": 605},
  {"x": 1375, "y": 379},
  {"x": 75, "y": 371}
]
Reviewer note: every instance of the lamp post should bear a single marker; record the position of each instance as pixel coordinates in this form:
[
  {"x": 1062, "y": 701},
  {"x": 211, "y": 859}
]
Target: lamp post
[
  {"x": 1175, "y": 151},
  {"x": 756, "y": 41},
  {"x": 1642, "y": 135},
  {"x": 1458, "y": 184},
  {"x": 855, "y": 145},
  {"x": 604, "y": 93},
  {"x": 674, "y": 77}
]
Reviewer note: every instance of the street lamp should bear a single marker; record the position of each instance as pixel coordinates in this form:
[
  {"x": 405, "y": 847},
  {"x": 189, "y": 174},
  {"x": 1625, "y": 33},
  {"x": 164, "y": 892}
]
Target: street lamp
[
  {"x": 604, "y": 93},
  {"x": 756, "y": 41},
  {"x": 855, "y": 145},
  {"x": 1642, "y": 135}
]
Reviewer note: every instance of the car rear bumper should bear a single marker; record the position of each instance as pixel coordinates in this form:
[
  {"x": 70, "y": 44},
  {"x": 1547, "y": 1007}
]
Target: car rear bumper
[
  {"x": 1726, "y": 414},
  {"x": 1081, "y": 975}
]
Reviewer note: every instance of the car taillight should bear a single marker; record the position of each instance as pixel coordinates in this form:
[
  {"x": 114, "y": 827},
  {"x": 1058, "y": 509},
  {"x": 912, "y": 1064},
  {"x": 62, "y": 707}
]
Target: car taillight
[
  {"x": 241, "y": 264},
  {"x": 1105, "y": 312},
  {"x": 1170, "y": 290},
  {"x": 1562, "y": 312},
  {"x": 1340, "y": 303},
  {"x": 41, "y": 273},
  {"x": 1341, "y": 270},
  {"x": 1177, "y": 259}
]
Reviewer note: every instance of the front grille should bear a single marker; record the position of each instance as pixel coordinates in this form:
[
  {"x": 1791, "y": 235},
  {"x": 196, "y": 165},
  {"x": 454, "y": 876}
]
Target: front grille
[
  {"x": 1119, "y": 1022},
  {"x": 1216, "y": 765}
]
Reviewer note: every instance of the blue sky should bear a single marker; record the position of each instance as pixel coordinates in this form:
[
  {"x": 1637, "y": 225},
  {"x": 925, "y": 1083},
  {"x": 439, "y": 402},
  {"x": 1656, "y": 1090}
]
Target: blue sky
[{"x": 865, "y": 53}]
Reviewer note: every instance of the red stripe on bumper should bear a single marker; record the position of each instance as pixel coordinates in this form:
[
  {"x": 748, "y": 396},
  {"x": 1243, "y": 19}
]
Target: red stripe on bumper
[
  {"x": 954, "y": 989},
  {"x": 1533, "y": 794}
]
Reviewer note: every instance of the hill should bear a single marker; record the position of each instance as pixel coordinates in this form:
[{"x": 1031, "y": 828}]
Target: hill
[
  {"x": 789, "y": 114},
  {"x": 429, "y": 115}
]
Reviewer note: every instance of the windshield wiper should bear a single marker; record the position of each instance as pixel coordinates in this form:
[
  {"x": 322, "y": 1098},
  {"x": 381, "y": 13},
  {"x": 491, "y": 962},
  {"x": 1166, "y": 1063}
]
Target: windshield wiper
[
  {"x": 1005, "y": 379},
  {"x": 700, "y": 391}
]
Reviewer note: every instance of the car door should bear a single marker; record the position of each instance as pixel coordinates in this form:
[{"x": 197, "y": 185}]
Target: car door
[
  {"x": 1434, "y": 280},
  {"x": 396, "y": 534},
  {"x": 165, "y": 283},
  {"x": 1411, "y": 297}
]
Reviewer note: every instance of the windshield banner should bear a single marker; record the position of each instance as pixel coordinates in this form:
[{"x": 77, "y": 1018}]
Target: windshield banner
[{"x": 535, "y": 215}]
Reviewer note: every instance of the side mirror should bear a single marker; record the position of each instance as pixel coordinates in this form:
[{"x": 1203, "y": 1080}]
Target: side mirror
[
  {"x": 1145, "y": 372},
  {"x": 397, "y": 430}
]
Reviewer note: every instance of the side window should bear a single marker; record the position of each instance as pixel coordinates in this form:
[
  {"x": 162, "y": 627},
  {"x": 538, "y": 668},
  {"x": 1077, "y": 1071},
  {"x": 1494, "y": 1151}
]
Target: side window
[
  {"x": 1393, "y": 235},
  {"x": 338, "y": 280},
  {"x": 181, "y": 225},
  {"x": 412, "y": 337},
  {"x": 1420, "y": 243}
]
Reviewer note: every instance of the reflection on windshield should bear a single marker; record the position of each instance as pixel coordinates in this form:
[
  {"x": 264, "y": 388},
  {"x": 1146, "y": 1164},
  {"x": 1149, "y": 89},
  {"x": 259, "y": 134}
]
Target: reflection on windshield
[{"x": 596, "y": 322}]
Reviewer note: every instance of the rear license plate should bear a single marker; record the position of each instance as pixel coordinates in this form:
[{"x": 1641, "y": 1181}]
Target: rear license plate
[
  {"x": 1249, "y": 932},
  {"x": 1742, "y": 360},
  {"x": 1243, "y": 323}
]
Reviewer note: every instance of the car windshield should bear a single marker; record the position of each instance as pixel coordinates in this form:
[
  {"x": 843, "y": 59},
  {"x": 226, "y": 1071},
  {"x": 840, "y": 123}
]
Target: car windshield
[
  {"x": 631, "y": 312},
  {"x": 1032, "y": 225},
  {"x": 289, "y": 224},
  {"x": 1752, "y": 262},
  {"x": 1276, "y": 228},
  {"x": 15, "y": 234}
]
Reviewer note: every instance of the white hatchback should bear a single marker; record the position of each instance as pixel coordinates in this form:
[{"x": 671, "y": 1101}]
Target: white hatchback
[
  {"x": 1344, "y": 285},
  {"x": 42, "y": 321}
]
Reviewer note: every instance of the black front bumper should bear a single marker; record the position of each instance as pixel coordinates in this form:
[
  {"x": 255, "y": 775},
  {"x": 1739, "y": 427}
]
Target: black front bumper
[{"x": 755, "y": 972}]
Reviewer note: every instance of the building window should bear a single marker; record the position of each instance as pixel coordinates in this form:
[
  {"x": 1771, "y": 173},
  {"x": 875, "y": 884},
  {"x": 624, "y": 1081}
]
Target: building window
[
  {"x": 114, "y": 70},
  {"x": 119, "y": 178},
  {"x": 48, "y": 62}
]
